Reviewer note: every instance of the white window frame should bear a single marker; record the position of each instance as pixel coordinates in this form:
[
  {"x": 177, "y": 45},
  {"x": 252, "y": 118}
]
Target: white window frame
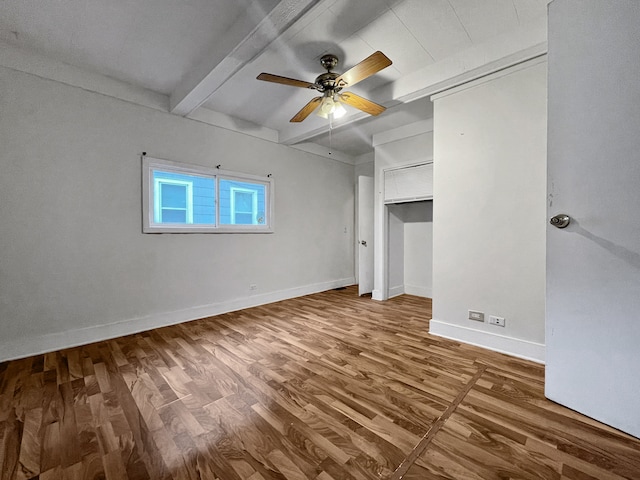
[
  {"x": 157, "y": 204},
  {"x": 149, "y": 224},
  {"x": 254, "y": 203}
]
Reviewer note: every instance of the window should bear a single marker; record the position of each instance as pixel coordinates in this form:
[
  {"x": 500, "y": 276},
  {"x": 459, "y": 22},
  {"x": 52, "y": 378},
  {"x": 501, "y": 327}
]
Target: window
[
  {"x": 174, "y": 201},
  {"x": 181, "y": 198},
  {"x": 241, "y": 203}
]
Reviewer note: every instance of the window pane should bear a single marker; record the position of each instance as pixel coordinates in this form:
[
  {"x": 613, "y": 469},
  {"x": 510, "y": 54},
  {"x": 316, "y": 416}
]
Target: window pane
[
  {"x": 174, "y": 216},
  {"x": 174, "y": 195},
  {"x": 244, "y": 219},
  {"x": 244, "y": 202}
]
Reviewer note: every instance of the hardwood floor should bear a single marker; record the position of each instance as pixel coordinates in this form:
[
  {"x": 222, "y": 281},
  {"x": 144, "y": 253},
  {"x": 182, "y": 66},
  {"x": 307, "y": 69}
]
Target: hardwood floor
[{"x": 328, "y": 386}]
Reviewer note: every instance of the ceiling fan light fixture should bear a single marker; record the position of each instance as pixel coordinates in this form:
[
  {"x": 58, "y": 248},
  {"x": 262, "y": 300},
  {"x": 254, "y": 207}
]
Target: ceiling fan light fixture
[
  {"x": 327, "y": 106},
  {"x": 338, "y": 111},
  {"x": 331, "y": 106}
]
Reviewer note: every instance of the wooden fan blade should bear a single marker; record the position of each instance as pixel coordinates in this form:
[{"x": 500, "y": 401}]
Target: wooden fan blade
[
  {"x": 370, "y": 65},
  {"x": 267, "y": 77},
  {"x": 306, "y": 110},
  {"x": 361, "y": 103}
]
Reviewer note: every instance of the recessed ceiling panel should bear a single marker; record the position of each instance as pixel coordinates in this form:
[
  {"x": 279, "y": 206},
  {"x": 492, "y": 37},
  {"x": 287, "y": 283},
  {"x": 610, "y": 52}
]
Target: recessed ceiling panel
[
  {"x": 483, "y": 20},
  {"x": 388, "y": 34},
  {"x": 352, "y": 15},
  {"x": 529, "y": 10},
  {"x": 435, "y": 25}
]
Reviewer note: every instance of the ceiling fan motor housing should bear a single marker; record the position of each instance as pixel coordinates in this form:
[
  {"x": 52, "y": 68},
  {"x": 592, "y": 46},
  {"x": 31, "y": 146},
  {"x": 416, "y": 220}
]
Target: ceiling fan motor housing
[{"x": 327, "y": 82}]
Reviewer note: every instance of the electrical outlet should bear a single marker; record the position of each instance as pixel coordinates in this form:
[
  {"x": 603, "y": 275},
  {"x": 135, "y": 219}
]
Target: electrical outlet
[
  {"x": 253, "y": 286},
  {"x": 475, "y": 315},
  {"x": 498, "y": 321}
]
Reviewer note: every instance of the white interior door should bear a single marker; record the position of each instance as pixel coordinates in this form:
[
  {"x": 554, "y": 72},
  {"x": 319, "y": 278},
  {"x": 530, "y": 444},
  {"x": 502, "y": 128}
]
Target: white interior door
[
  {"x": 365, "y": 235},
  {"x": 593, "y": 265}
]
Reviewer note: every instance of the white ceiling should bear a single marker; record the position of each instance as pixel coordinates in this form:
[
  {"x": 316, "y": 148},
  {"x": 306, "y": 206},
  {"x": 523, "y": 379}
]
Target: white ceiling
[{"x": 207, "y": 53}]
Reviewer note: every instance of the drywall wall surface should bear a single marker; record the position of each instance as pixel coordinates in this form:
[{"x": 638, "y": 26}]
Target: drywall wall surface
[
  {"x": 404, "y": 151},
  {"x": 75, "y": 265},
  {"x": 418, "y": 239},
  {"x": 365, "y": 165},
  {"x": 395, "y": 262},
  {"x": 489, "y": 210}
]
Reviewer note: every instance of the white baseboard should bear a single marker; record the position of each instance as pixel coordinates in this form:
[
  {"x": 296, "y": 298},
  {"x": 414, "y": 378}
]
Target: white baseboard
[
  {"x": 395, "y": 291},
  {"x": 26, "y": 347},
  {"x": 418, "y": 291},
  {"x": 498, "y": 343},
  {"x": 401, "y": 289}
]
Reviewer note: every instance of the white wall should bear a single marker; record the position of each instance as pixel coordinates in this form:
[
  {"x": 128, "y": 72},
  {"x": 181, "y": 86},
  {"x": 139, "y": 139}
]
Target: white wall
[
  {"x": 365, "y": 165},
  {"x": 489, "y": 210},
  {"x": 392, "y": 149},
  {"x": 395, "y": 245},
  {"x": 75, "y": 266},
  {"x": 364, "y": 168},
  {"x": 418, "y": 239}
]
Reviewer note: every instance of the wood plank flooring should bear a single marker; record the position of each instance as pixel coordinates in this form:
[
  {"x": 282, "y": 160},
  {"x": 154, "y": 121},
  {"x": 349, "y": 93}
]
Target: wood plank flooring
[{"x": 324, "y": 387}]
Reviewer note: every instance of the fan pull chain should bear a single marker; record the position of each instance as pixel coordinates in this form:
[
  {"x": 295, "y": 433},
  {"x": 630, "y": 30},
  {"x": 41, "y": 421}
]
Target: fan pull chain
[{"x": 330, "y": 128}]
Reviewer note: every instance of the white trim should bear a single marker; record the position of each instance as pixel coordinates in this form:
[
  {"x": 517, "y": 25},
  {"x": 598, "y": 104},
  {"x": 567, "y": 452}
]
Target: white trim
[
  {"x": 377, "y": 295},
  {"x": 408, "y": 165},
  {"x": 490, "y": 77},
  {"x": 418, "y": 291},
  {"x": 82, "y": 336},
  {"x": 491, "y": 341},
  {"x": 400, "y": 133},
  {"x": 323, "y": 151},
  {"x": 395, "y": 291}
]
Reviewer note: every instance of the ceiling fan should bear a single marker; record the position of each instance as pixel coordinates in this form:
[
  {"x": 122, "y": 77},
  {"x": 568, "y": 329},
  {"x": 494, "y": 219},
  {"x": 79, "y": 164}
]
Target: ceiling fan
[{"x": 330, "y": 84}]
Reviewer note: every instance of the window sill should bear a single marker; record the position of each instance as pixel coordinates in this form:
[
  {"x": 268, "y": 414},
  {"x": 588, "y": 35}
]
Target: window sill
[{"x": 196, "y": 229}]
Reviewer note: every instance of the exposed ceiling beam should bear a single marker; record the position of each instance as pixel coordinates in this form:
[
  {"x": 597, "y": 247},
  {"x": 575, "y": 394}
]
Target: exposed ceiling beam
[{"x": 239, "y": 48}]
